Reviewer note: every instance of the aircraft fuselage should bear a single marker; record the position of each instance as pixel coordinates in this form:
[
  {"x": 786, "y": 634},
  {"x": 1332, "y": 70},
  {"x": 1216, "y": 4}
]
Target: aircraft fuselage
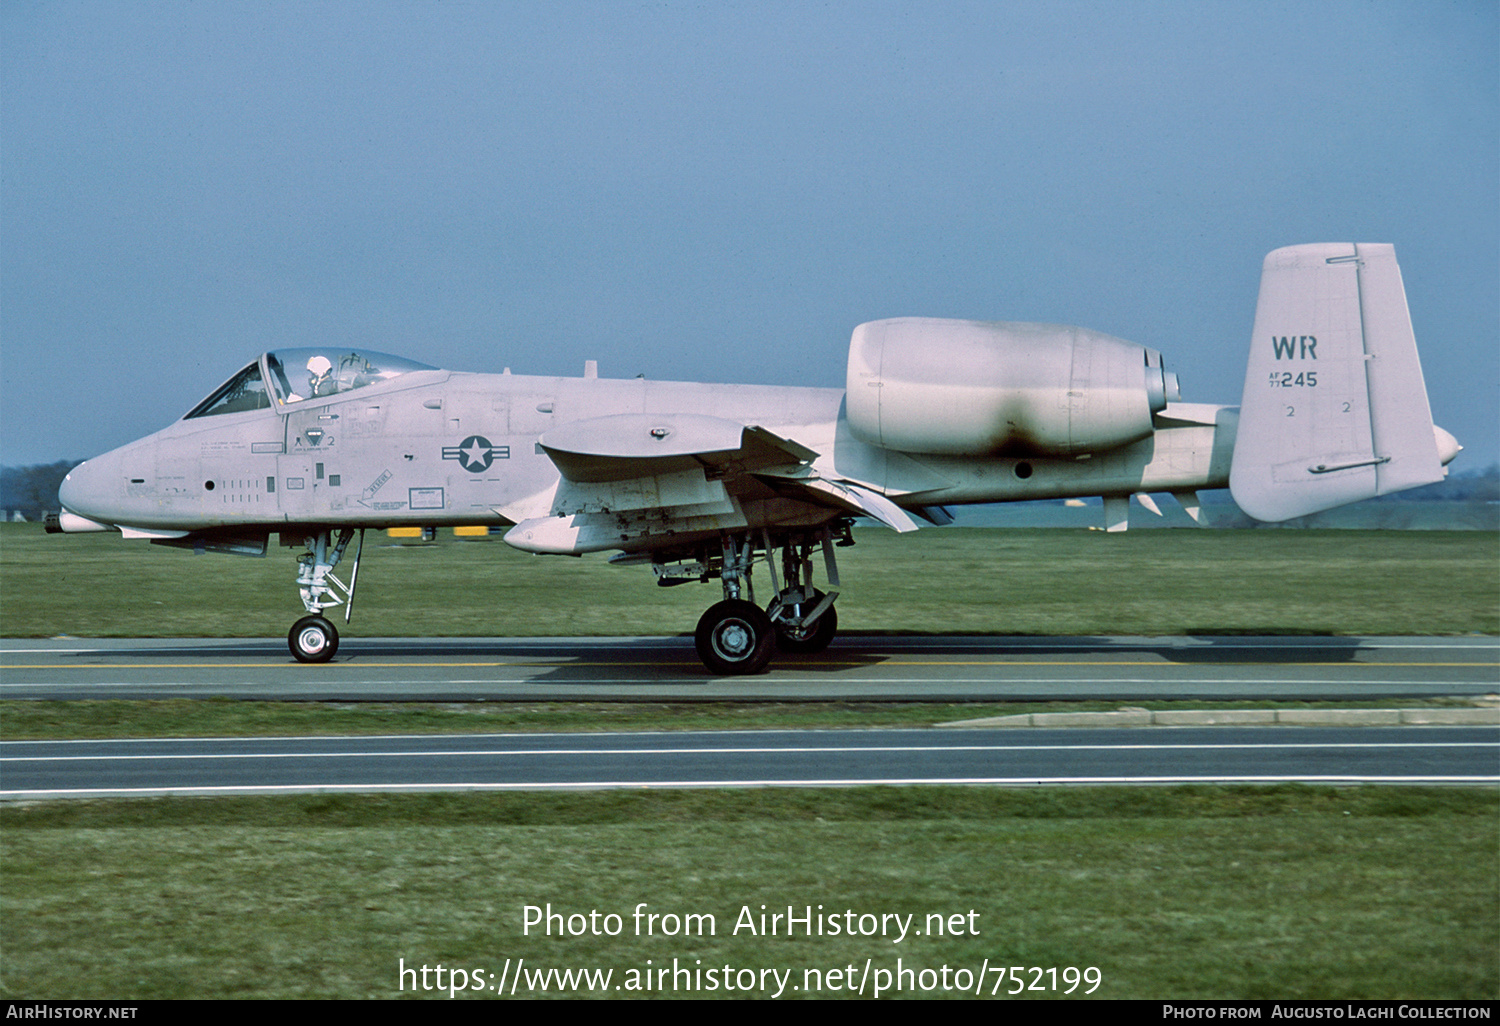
[{"x": 434, "y": 447}]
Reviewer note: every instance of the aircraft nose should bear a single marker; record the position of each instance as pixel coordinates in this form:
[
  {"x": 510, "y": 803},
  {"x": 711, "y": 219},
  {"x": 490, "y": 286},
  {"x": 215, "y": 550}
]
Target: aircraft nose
[{"x": 91, "y": 487}]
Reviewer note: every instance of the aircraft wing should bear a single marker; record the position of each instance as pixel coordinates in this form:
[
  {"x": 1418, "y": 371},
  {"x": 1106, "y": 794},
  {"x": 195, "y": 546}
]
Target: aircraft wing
[
  {"x": 635, "y": 445},
  {"x": 625, "y": 479}
]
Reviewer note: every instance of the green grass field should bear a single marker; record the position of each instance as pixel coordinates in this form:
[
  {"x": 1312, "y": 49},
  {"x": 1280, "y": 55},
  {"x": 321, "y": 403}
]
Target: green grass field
[
  {"x": 1168, "y": 892},
  {"x": 184, "y": 717},
  {"x": 1187, "y": 892},
  {"x": 958, "y": 580}
]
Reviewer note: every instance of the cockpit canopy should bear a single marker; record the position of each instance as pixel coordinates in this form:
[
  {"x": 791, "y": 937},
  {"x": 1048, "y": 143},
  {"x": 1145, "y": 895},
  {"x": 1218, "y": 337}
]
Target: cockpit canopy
[{"x": 300, "y": 374}]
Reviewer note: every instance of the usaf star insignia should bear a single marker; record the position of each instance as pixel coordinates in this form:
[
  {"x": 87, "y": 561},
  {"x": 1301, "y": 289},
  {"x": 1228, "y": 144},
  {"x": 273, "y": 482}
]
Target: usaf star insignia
[{"x": 476, "y": 453}]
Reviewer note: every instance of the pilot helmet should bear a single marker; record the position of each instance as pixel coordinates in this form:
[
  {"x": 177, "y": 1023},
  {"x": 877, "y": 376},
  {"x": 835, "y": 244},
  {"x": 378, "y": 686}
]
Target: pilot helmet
[{"x": 318, "y": 368}]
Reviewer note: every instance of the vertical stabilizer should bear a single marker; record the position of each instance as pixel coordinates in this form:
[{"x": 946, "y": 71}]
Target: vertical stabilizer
[{"x": 1334, "y": 408}]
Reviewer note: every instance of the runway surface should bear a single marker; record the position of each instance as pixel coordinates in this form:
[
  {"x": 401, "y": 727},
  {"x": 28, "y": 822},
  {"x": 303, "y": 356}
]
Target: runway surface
[
  {"x": 667, "y": 669},
  {"x": 1413, "y": 755}
]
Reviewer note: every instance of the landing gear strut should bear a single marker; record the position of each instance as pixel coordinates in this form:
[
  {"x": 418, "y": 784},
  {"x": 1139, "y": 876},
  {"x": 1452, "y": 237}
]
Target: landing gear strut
[
  {"x": 788, "y": 611},
  {"x": 735, "y": 637},
  {"x": 804, "y": 617},
  {"x": 314, "y": 639}
]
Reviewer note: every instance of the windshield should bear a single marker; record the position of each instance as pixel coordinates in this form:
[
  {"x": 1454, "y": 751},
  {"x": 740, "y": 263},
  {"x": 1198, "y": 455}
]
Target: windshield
[
  {"x": 302, "y": 374},
  {"x": 245, "y": 391}
]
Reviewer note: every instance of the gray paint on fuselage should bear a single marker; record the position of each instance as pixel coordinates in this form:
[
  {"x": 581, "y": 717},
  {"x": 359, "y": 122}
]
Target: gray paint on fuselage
[{"x": 360, "y": 456}]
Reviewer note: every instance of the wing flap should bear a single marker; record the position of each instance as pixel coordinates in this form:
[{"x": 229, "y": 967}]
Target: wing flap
[{"x": 844, "y": 495}]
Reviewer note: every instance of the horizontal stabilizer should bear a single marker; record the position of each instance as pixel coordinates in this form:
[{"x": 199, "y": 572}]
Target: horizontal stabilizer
[{"x": 1334, "y": 409}]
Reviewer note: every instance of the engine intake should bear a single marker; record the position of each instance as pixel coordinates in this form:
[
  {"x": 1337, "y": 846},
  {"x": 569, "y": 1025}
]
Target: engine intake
[{"x": 978, "y": 388}]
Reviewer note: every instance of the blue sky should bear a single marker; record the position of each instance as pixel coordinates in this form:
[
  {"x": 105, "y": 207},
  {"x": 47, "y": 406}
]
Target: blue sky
[{"x": 714, "y": 191}]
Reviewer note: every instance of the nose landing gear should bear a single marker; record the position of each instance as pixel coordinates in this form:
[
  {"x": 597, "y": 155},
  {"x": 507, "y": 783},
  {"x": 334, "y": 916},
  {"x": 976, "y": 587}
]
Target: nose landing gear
[{"x": 314, "y": 639}]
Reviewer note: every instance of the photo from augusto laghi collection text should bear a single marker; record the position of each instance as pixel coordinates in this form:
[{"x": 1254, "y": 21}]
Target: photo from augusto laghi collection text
[{"x": 904, "y": 971}]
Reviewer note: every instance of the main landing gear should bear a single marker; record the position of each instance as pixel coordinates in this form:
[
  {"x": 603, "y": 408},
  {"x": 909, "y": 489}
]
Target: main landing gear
[
  {"x": 737, "y": 637},
  {"x": 314, "y": 639},
  {"x": 733, "y": 637}
]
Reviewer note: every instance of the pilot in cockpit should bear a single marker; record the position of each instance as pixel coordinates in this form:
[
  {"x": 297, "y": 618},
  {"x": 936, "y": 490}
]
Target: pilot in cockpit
[{"x": 319, "y": 380}]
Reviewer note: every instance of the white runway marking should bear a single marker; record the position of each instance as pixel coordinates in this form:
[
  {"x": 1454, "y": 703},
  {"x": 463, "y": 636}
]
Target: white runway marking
[{"x": 657, "y": 785}]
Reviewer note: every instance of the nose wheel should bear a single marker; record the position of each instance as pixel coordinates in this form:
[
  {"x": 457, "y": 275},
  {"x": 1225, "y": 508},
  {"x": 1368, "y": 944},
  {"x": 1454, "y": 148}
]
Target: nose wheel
[{"x": 313, "y": 639}]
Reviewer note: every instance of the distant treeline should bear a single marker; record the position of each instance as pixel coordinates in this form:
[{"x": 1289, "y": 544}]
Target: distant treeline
[
  {"x": 32, "y": 491},
  {"x": 1471, "y": 486}
]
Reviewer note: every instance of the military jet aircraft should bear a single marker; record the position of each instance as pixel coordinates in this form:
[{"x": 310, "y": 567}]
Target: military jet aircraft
[{"x": 707, "y": 482}]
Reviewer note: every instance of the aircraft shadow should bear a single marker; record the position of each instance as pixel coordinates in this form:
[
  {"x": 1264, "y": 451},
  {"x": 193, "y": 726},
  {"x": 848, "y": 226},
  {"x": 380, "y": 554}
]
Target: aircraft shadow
[
  {"x": 1269, "y": 646},
  {"x": 581, "y": 658}
]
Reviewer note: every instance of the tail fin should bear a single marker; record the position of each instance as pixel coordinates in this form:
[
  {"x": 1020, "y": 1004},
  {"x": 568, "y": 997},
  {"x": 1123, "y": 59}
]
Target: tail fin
[{"x": 1334, "y": 409}]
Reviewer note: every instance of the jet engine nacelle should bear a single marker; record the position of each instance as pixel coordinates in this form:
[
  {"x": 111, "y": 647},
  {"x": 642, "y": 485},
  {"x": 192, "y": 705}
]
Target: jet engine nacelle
[{"x": 975, "y": 388}]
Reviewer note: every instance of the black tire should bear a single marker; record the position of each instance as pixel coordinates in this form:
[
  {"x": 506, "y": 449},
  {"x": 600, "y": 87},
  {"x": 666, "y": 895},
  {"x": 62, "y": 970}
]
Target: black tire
[
  {"x": 735, "y": 638},
  {"x": 810, "y": 639},
  {"x": 313, "y": 639}
]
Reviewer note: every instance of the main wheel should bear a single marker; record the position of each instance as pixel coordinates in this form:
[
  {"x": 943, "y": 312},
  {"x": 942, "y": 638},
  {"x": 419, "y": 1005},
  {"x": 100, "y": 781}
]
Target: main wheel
[
  {"x": 313, "y": 639},
  {"x": 735, "y": 637},
  {"x": 816, "y": 636}
]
